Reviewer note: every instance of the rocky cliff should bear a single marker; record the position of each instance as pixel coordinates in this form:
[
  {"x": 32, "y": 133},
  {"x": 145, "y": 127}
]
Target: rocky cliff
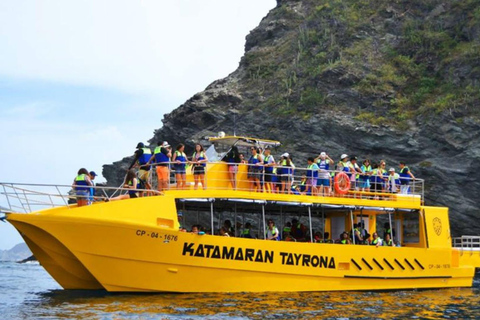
[{"x": 395, "y": 80}]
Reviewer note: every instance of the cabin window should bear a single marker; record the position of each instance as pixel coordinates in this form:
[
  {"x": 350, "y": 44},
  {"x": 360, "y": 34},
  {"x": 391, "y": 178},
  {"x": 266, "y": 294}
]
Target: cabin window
[{"x": 411, "y": 227}]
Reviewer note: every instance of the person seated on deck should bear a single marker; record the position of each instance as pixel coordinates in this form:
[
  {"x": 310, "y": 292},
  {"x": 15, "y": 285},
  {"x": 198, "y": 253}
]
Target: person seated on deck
[
  {"x": 195, "y": 229},
  {"x": 376, "y": 240},
  {"x": 318, "y": 238},
  {"x": 272, "y": 232},
  {"x": 298, "y": 230},
  {"x": 326, "y": 237},
  {"x": 246, "y": 232},
  {"x": 81, "y": 185},
  {"x": 388, "y": 230},
  {"x": 223, "y": 232},
  {"x": 344, "y": 238},
  {"x": 227, "y": 224},
  {"x": 288, "y": 237},
  {"x": 180, "y": 221},
  {"x": 141, "y": 157},
  {"x": 388, "y": 241},
  {"x": 287, "y": 229},
  {"x": 301, "y": 187},
  {"x": 131, "y": 182},
  {"x": 356, "y": 235}
]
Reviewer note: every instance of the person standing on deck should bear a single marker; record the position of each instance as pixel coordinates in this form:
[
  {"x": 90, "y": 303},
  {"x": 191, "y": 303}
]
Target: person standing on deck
[
  {"x": 323, "y": 182},
  {"x": 255, "y": 170},
  {"x": 199, "y": 161},
  {"x": 405, "y": 176},
  {"x": 312, "y": 174},
  {"x": 180, "y": 163},
  {"x": 161, "y": 156},
  {"x": 269, "y": 164},
  {"x": 141, "y": 157},
  {"x": 92, "y": 176},
  {"x": 81, "y": 185}
]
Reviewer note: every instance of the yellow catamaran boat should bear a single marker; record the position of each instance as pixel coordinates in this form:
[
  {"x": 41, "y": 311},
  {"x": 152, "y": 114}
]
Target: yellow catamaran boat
[{"x": 135, "y": 245}]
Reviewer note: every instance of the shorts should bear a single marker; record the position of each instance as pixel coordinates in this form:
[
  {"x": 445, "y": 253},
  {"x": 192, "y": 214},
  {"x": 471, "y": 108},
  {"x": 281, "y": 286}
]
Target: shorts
[
  {"x": 377, "y": 187},
  {"x": 285, "y": 177},
  {"x": 180, "y": 171},
  {"x": 162, "y": 173},
  {"x": 133, "y": 195},
  {"x": 269, "y": 177},
  {"x": 312, "y": 181},
  {"x": 254, "y": 175},
  {"x": 143, "y": 175},
  {"x": 232, "y": 168},
  {"x": 198, "y": 170},
  {"x": 323, "y": 182},
  {"x": 83, "y": 194}
]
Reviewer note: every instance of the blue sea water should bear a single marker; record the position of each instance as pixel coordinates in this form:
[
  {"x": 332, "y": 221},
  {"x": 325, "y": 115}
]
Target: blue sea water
[{"x": 28, "y": 292}]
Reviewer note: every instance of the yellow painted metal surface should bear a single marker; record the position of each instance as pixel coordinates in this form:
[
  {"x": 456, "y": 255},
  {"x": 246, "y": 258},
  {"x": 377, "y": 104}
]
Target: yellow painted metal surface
[{"x": 135, "y": 245}]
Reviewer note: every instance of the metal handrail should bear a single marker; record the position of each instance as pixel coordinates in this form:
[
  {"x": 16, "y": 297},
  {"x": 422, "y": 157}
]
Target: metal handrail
[{"x": 466, "y": 242}]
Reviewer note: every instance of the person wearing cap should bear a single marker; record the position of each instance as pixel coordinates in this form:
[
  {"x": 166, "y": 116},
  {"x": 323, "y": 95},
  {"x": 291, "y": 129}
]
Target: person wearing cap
[
  {"x": 141, "y": 157},
  {"x": 269, "y": 167},
  {"x": 285, "y": 172},
  {"x": 323, "y": 182},
  {"x": 393, "y": 182},
  {"x": 161, "y": 156},
  {"x": 92, "y": 175},
  {"x": 405, "y": 176}
]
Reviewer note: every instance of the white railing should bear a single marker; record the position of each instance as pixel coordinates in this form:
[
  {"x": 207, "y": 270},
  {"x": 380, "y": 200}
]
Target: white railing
[
  {"x": 17, "y": 197},
  {"x": 470, "y": 243}
]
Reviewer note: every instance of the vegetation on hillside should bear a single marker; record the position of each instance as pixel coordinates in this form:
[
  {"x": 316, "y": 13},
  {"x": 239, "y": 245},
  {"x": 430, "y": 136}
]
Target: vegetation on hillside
[{"x": 383, "y": 61}]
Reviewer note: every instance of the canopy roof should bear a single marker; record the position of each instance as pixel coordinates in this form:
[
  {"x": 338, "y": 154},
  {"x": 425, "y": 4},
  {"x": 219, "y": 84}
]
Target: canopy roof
[{"x": 243, "y": 141}]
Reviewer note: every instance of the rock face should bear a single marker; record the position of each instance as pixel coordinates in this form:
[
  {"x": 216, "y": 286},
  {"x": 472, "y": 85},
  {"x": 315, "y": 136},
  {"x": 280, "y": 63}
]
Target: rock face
[
  {"x": 18, "y": 252},
  {"x": 398, "y": 81}
]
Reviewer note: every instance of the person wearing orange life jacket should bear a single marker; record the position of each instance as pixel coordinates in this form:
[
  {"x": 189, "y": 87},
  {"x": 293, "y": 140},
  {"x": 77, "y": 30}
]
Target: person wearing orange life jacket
[
  {"x": 81, "y": 185},
  {"x": 141, "y": 159},
  {"x": 179, "y": 163},
  {"x": 199, "y": 161},
  {"x": 161, "y": 157}
]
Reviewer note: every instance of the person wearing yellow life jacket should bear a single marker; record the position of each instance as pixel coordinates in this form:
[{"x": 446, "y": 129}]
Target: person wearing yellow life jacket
[
  {"x": 355, "y": 173},
  {"x": 246, "y": 232},
  {"x": 255, "y": 169},
  {"x": 376, "y": 240},
  {"x": 364, "y": 179},
  {"x": 388, "y": 241},
  {"x": 285, "y": 172},
  {"x": 312, "y": 176},
  {"x": 81, "y": 185},
  {"x": 344, "y": 238},
  {"x": 376, "y": 179},
  {"x": 199, "y": 161},
  {"x": 272, "y": 232},
  {"x": 393, "y": 182},
  {"x": 405, "y": 176},
  {"x": 161, "y": 157},
  {"x": 269, "y": 167},
  {"x": 180, "y": 163},
  {"x": 141, "y": 159}
]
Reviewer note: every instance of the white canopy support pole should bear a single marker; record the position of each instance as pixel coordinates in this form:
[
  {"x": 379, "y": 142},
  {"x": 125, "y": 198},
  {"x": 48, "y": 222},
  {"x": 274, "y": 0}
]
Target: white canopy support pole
[
  {"x": 263, "y": 218},
  {"x": 353, "y": 231},
  {"x": 211, "y": 217},
  {"x": 310, "y": 222},
  {"x": 391, "y": 229}
]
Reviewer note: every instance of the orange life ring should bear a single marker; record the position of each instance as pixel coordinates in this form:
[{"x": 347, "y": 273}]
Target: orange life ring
[{"x": 342, "y": 183}]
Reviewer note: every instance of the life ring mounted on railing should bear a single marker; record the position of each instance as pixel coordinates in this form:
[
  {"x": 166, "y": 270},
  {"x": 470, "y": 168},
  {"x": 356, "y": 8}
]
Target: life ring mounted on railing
[{"x": 342, "y": 183}]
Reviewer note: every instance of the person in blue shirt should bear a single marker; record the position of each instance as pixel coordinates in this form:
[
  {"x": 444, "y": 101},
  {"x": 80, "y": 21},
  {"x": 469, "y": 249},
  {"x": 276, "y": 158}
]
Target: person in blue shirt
[
  {"x": 312, "y": 174},
  {"x": 92, "y": 175}
]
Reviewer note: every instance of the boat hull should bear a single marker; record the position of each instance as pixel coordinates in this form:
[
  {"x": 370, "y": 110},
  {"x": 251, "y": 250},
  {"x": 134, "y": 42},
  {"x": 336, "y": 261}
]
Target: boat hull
[{"x": 140, "y": 258}]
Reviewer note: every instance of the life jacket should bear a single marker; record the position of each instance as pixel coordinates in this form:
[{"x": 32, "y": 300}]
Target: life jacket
[
  {"x": 147, "y": 154},
  {"x": 200, "y": 157},
  {"x": 388, "y": 243},
  {"x": 312, "y": 173},
  {"x": 132, "y": 192},
  {"x": 246, "y": 232},
  {"x": 265, "y": 161},
  {"x": 404, "y": 176},
  {"x": 180, "y": 156},
  {"x": 323, "y": 164},
  {"x": 160, "y": 157},
  {"x": 393, "y": 181},
  {"x": 365, "y": 170},
  {"x": 344, "y": 241},
  {"x": 274, "y": 233},
  {"x": 374, "y": 178},
  {"x": 303, "y": 185},
  {"x": 253, "y": 159},
  {"x": 375, "y": 241},
  {"x": 80, "y": 180},
  {"x": 287, "y": 229}
]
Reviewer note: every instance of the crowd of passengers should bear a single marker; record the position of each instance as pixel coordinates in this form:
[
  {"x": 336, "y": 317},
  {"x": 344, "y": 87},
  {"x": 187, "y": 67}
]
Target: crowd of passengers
[
  {"x": 296, "y": 231},
  {"x": 264, "y": 173}
]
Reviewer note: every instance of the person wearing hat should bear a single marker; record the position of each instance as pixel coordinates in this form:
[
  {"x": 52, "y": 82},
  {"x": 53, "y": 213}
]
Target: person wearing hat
[
  {"x": 92, "y": 175},
  {"x": 393, "y": 182},
  {"x": 161, "y": 156},
  {"x": 141, "y": 158},
  {"x": 323, "y": 182}
]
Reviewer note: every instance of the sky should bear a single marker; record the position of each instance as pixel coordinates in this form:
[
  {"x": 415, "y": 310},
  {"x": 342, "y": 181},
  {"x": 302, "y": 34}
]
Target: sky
[{"x": 82, "y": 82}]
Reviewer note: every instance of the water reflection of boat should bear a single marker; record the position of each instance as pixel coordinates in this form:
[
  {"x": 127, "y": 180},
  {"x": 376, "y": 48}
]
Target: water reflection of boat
[{"x": 136, "y": 245}]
